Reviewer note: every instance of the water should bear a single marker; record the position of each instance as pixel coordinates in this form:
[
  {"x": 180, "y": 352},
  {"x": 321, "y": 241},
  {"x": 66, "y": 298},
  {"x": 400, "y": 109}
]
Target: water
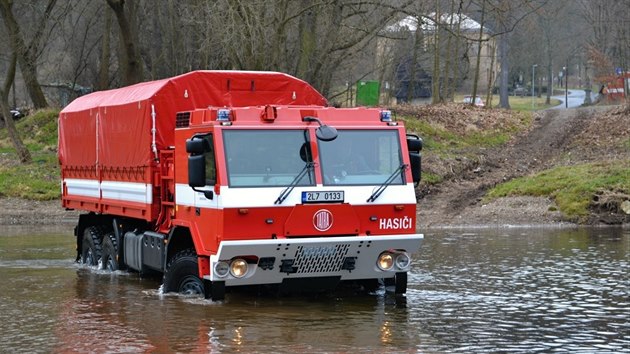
[{"x": 527, "y": 290}]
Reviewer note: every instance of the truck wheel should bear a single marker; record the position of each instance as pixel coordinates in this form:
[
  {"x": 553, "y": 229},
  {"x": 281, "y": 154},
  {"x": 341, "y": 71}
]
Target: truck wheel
[
  {"x": 182, "y": 274},
  {"x": 110, "y": 253},
  {"x": 91, "y": 246},
  {"x": 398, "y": 283}
]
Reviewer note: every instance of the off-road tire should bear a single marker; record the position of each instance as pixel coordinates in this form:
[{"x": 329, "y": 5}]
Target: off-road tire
[
  {"x": 91, "y": 250},
  {"x": 182, "y": 274},
  {"x": 110, "y": 253}
]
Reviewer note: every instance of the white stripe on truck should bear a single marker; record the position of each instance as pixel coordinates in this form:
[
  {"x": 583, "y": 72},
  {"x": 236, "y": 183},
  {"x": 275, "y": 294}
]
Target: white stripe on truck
[
  {"x": 125, "y": 191},
  {"x": 265, "y": 197}
]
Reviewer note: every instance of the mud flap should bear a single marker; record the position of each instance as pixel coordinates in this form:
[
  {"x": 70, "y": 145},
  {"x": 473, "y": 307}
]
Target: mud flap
[
  {"x": 398, "y": 283},
  {"x": 214, "y": 291},
  {"x": 401, "y": 283}
]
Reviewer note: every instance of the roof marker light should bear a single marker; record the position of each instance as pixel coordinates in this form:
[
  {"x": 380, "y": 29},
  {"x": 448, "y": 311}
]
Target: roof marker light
[
  {"x": 224, "y": 115},
  {"x": 386, "y": 116}
]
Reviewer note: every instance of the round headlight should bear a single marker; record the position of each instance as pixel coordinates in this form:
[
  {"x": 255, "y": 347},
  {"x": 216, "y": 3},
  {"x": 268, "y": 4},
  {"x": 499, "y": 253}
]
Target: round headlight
[
  {"x": 385, "y": 261},
  {"x": 403, "y": 260},
  {"x": 221, "y": 269},
  {"x": 238, "y": 268}
]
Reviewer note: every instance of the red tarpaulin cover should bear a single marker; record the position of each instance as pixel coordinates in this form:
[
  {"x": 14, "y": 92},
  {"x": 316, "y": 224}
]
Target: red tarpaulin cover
[{"x": 113, "y": 128}]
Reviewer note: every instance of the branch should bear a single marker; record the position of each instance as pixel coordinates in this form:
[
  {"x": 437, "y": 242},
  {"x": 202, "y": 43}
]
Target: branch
[
  {"x": 302, "y": 11},
  {"x": 37, "y": 37},
  {"x": 8, "y": 81},
  {"x": 367, "y": 32}
]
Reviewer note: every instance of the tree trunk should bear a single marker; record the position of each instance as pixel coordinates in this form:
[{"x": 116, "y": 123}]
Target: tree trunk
[
  {"x": 455, "y": 75},
  {"x": 25, "y": 57},
  {"x": 480, "y": 44},
  {"x": 447, "y": 66},
  {"x": 308, "y": 42},
  {"x": 132, "y": 65},
  {"x": 103, "y": 70},
  {"x": 435, "y": 87},
  {"x": 549, "y": 64},
  {"x": 490, "y": 89},
  {"x": 23, "y": 154},
  {"x": 504, "y": 83},
  {"x": 417, "y": 42}
]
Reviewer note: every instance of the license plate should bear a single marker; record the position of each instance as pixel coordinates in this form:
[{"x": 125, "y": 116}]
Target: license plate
[{"x": 323, "y": 197}]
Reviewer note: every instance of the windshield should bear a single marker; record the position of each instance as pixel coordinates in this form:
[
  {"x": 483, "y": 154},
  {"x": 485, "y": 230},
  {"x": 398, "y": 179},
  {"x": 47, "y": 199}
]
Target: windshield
[
  {"x": 265, "y": 158},
  {"x": 361, "y": 157}
]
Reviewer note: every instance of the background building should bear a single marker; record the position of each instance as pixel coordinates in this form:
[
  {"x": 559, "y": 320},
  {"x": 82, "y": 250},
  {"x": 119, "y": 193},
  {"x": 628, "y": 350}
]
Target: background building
[{"x": 409, "y": 58}]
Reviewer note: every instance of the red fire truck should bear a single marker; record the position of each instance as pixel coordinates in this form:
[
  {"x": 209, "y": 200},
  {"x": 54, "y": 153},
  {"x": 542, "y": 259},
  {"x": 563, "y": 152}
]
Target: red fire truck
[{"x": 220, "y": 179}]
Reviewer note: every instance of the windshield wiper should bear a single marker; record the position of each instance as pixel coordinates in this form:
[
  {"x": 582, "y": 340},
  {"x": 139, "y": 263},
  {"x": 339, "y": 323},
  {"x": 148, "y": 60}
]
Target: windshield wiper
[
  {"x": 377, "y": 193},
  {"x": 285, "y": 193}
]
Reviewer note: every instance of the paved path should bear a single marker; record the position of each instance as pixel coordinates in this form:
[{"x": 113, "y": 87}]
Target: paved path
[{"x": 575, "y": 99}]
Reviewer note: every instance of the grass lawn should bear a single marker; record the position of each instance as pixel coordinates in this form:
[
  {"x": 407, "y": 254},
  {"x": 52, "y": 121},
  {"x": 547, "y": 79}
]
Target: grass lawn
[{"x": 518, "y": 103}]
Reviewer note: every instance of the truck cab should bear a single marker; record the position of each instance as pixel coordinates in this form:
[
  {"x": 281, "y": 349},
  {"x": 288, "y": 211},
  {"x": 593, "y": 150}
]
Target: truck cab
[{"x": 285, "y": 194}]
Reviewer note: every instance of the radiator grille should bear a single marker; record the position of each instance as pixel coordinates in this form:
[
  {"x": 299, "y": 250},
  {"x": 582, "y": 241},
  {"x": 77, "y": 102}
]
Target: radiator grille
[{"x": 320, "y": 259}]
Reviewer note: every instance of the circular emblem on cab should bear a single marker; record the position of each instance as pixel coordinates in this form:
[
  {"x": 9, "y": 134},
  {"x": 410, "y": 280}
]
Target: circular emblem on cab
[{"x": 322, "y": 220}]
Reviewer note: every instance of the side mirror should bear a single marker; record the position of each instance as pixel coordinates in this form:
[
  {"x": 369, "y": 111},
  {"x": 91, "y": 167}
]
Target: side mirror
[
  {"x": 414, "y": 145},
  {"x": 197, "y": 170},
  {"x": 326, "y": 133},
  {"x": 323, "y": 132},
  {"x": 196, "y": 146},
  {"x": 416, "y": 167}
]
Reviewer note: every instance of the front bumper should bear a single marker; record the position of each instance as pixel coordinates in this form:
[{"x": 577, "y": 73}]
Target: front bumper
[{"x": 348, "y": 258}]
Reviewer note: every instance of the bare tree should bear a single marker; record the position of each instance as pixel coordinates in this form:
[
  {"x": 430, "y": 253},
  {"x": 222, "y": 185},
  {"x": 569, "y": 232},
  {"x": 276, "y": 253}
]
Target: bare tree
[
  {"x": 103, "y": 68},
  {"x": 27, "y": 53},
  {"x": 82, "y": 42},
  {"x": 23, "y": 154},
  {"x": 456, "y": 54},
  {"x": 307, "y": 40},
  {"x": 609, "y": 43},
  {"x": 132, "y": 62},
  {"x": 479, "y": 46},
  {"x": 418, "y": 37},
  {"x": 435, "y": 86},
  {"x": 449, "y": 86}
]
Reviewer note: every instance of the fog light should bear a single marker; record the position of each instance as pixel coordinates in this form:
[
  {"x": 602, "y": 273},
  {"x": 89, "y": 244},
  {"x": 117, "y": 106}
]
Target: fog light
[
  {"x": 221, "y": 269},
  {"x": 238, "y": 268},
  {"x": 403, "y": 261},
  {"x": 385, "y": 261}
]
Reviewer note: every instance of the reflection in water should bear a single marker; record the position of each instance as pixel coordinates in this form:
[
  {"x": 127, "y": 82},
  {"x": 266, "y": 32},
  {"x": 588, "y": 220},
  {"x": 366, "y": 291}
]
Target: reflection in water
[{"x": 486, "y": 290}]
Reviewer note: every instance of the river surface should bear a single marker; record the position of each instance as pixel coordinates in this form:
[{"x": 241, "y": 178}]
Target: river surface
[{"x": 478, "y": 290}]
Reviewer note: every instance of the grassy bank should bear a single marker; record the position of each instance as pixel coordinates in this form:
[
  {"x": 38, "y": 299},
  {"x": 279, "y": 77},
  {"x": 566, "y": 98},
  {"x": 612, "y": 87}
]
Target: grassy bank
[
  {"x": 38, "y": 180},
  {"x": 465, "y": 143},
  {"x": 576, "y": 189}
]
